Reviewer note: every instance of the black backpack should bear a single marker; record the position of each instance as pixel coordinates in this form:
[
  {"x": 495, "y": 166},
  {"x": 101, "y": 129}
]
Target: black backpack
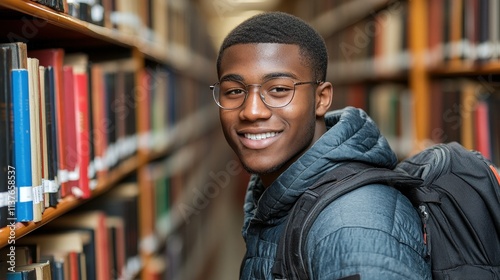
[{"x": 456, "y": 192}]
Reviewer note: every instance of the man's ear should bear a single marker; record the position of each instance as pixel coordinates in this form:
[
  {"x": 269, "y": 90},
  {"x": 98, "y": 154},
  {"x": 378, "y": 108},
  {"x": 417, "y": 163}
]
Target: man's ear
[{"x": 324, "y": 97}]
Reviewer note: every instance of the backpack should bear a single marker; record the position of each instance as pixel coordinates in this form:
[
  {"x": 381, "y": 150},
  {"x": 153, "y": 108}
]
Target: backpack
[{"x": 456, "y": 192}]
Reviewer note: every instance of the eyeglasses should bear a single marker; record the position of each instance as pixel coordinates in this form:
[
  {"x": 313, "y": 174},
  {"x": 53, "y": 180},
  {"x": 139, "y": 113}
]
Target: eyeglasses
[{"x": 275, "y": 93}]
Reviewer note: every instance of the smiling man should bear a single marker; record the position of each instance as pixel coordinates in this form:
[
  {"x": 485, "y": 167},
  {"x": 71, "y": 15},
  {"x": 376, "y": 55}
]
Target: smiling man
[{"x": 274, "y": 104}]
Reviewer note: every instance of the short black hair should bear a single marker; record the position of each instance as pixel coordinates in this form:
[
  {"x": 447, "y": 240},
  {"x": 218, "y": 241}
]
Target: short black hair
[{"x": 282, "y": 28}]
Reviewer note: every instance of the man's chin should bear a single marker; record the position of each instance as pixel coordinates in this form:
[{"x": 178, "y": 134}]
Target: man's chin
[{"x": 261, "y": 170}]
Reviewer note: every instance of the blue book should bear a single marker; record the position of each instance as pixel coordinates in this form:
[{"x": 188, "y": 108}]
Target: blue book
[
  {"x": 22, "y": 146},
  {"x": 21, "y": 275}
]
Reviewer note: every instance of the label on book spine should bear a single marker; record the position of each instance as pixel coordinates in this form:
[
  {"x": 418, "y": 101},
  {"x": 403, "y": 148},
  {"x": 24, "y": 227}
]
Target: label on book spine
[
  {"x": 74, "y": 175},
  {"x": 50, "y": 186},
  {"x": 25, "y": 194},
  {"x": 62, "y": 174},
  {"x": 37, "y": 194},
  {"x": 4, "y": 199}
]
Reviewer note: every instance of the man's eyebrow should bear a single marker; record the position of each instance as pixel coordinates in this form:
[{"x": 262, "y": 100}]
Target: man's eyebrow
[
  {"x": 279, "y": 75},
  {"x": 267, "y": 77},
  {"x": 231, "y": 77}
]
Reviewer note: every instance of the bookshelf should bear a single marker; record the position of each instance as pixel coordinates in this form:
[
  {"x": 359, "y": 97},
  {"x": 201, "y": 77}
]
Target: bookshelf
[
  {"x": 412, "y": 53},
  {"x": 146, "y": 79}
]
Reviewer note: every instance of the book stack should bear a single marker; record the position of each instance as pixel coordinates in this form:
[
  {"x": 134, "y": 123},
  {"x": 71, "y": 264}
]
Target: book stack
[
  {"x": 100, "y": 242},
  {"x": 65, "y": 123}
]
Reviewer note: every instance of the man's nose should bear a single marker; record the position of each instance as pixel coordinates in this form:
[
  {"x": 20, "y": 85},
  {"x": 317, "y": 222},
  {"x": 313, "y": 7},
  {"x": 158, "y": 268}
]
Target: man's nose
[{"x": 254, "y": 107}]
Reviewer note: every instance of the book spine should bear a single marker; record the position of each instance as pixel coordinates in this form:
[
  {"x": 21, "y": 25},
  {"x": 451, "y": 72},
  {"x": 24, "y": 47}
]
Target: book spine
[
  {"x": 22, "y": 148},
  {"x": 50, "y": 131},
  {"x": 82, "y": 134},
  {"x": 5, "y": 131},
  {"x": 38, "y": 199}
]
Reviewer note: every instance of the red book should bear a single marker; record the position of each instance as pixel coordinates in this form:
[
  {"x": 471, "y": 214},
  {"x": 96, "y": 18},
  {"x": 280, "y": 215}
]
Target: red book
[
  {"x": 82, "y": 134},
  {"x": 70, "y": 128},
  {"x": 100, "y": 121},
  {"x": 55, "y": 58},
  {"x": 482, "y": 125},
  {"x": 74, "y": 265},
  {"x": 79, "y": 63}
]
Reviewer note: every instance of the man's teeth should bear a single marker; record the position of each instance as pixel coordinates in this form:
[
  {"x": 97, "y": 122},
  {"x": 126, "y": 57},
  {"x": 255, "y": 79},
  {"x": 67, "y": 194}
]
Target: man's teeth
[{"x": 260, "y": 136}]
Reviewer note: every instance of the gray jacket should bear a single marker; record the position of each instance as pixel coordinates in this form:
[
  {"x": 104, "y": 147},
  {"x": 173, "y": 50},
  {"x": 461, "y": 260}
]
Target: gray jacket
[{"x": 373, "y": 231}]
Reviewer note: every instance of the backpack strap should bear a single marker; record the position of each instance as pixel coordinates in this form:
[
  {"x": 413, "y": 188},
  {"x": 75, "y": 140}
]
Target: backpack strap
[{"x": 291, "y": 257}]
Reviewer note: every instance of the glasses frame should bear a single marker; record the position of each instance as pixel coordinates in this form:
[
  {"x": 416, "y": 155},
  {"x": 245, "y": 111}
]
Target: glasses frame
[{"x": 212, "y": 88}]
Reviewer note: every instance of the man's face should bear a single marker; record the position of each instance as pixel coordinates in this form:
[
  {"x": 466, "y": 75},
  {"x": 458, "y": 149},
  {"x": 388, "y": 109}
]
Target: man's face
[{"x": 267, "y": 140}]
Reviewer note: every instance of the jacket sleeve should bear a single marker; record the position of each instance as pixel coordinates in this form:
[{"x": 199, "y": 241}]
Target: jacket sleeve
[{"x": 374, "y": 232}]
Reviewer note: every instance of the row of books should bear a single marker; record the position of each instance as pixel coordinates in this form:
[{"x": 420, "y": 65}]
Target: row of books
[
  {"x": 65, "y": 123},
  {"x": 154, "y": 21},
  {"x": 463, "y": 32},
  {"x": 377, "y": 46},
  {"x": 464, "y": 110},
  {"x": 467, "y": 111},
  {"x": 460, "y": 33},
  {"x": 98, "y": 242},
  {"x": 389, "y": 105}
]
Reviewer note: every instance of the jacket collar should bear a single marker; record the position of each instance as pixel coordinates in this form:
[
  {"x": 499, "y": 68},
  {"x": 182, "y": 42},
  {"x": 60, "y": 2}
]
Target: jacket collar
[{"x": 351, "y": 136}]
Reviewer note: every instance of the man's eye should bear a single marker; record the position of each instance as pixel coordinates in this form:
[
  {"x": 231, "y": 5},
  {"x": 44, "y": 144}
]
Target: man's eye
[
  {"x": 279, "y": 90},
  {"x": 235, "y": 92}
]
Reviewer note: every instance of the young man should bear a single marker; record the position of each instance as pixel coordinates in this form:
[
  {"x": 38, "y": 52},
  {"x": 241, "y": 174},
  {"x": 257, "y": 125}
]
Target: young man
[{"x": 273, "y": 101}]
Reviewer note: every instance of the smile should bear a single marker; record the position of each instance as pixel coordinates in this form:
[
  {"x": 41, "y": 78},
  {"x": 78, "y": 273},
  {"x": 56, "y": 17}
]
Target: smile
[{"x": 260, "y": 136}]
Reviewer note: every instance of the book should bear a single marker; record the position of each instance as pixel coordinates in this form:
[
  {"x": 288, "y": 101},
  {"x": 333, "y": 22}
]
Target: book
[
  {"x": 79, "y": 64},
  {"x": 22, "y": 147},
  {"x": 70, "y": 129},
  {"x": 468, "y": 101},
  {"x": 36, "y": 162},
  {"x": 110, "y": 72},
  {"x": 42, "y": 270},
  {"x": 56, "y": 266},
  {"x": 99, "y": 121},
  {"x": 117, "y": 244},
  {"x": 66, "y": 248},
  {"x": 122, "y": 202},
  {"x": 435, "y": 32},
  {"x": 19, "y": 54},
  {"x": 22, "y": 275},
  {"x": 92, "y": 172},
  {"x": 97, "y": 255},
  {"x": 54, "y": 58},
  {"x": 17, "y": 59},
  {"x": 125, "y": 108},
  {"x": 50, "y": 186},
  {"x": 24, "y": 254},
  {"x": 51, "y": 133},
  {"x": 6, "y": 138},
  {"x": 482, "y": 123}
]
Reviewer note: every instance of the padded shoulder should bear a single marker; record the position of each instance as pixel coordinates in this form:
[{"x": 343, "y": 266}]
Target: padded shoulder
[{"x": 373, "y": 230}]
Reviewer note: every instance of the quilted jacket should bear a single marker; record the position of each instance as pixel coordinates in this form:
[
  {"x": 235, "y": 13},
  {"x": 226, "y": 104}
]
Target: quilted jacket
[{"x": 373, "y": 231}]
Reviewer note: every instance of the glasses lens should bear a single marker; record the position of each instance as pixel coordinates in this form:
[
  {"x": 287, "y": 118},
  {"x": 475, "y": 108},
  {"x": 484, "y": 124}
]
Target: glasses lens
[
  {"x": 278, "y": 92},
  {"x": 229, "y": 94}
]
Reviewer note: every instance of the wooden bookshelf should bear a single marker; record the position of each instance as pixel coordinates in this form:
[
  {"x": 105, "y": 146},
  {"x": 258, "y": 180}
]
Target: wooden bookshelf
[
  {"x": 70, "y": 202},
  {"x": 432, "y": 46},
  {"x": 187, "y": 67}
]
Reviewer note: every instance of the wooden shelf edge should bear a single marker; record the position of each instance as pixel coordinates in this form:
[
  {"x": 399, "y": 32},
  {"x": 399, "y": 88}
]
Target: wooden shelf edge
[
  {"x": 465, "y": 68},
  {"x": 68, "y": 22},
  {"x": 68, "y": 203}
]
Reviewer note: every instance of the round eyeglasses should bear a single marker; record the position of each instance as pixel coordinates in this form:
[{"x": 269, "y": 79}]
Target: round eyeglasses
[{"x": 275, "y": 93}]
